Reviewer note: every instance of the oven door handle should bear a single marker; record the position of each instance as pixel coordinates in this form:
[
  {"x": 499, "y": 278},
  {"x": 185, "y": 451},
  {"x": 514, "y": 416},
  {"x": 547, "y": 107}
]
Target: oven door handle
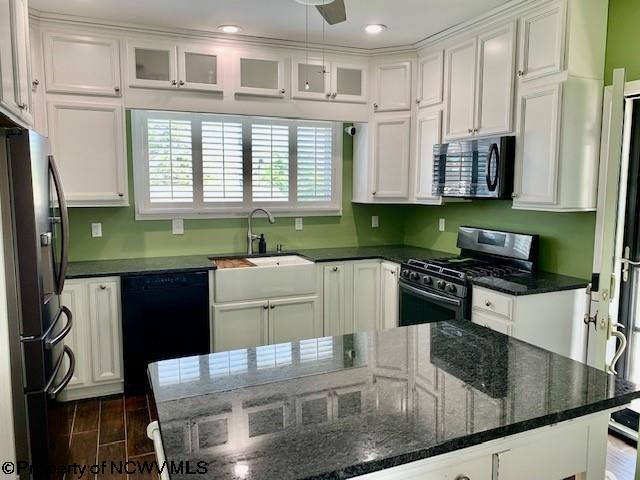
[{"x": 430, "y": 296}]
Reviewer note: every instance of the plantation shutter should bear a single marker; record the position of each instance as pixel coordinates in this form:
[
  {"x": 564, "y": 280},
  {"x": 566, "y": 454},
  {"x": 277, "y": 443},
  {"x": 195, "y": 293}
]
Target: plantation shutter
[
  {"x": 222, "y": 177},
  {"x": 315, "y": 161},
  {"x": 270, "y": 162},
  {"x": 169, "y": 148}
]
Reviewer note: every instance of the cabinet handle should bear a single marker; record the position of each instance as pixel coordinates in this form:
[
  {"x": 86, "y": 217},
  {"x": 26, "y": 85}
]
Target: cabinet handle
[
  {"x": 520, "y": 73},
  {"x": 334, "y": 94},
  {"x": 173, "y": 83},
  {"x": 334, "y": 269},
  {"x": 475, "y": 130},
  {"x": 22, "y": 106},
  {"x": 103, "y": 287},
  {"x": 266, "y": 307},
  {"x": 374, "y": 193},
  {"x": 487, "y": 303},
  {"x": 121, "y": 195},
  {"x": 35, "y": 84},
  {"x": 181, "y": 83},
  {"x": 328, "y": 94},
  {"x": 462, "y": 477},
  {"x": 116, "y": 89},
  {"x": 515, "y": 195},
  {"x": 283, "y": 91},
  {"x": 470, "y": 130},
  {"x": 375, "y": 106},
  {"x": 272, "y": 307}
]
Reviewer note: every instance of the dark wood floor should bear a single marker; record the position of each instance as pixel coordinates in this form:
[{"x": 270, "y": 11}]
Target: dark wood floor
[
  {"x": 113, "y": 429},
  {"x": 621, "y": 459}
]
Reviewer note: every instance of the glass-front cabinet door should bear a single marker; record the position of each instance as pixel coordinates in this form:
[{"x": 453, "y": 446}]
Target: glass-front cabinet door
[
  {"x": 152, "y": 65},
  {"x": 199, "y": 68},
  {"x": 262, "y": 76},
  {"x": 310, "y": 79},
  {"x": 349, "y": 83}
]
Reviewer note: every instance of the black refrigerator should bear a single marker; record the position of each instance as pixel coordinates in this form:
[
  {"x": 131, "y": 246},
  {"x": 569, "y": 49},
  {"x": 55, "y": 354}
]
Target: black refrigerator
[{"x": 36, "y": 237}]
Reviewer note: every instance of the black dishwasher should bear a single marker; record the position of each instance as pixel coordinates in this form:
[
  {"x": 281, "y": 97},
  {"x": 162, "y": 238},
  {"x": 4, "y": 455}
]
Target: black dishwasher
[{"x": 163, "y": 316}]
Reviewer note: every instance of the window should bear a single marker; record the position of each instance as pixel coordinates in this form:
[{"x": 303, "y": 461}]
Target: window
[{"x": 197, "y": 165}]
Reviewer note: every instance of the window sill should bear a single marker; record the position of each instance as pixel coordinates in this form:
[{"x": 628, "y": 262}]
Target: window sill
[{"x": 238, "y": 214}]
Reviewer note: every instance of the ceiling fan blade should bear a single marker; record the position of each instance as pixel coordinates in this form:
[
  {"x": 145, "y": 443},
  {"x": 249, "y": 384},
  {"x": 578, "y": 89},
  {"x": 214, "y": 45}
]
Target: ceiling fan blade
[{"x": 334, "y": 12}]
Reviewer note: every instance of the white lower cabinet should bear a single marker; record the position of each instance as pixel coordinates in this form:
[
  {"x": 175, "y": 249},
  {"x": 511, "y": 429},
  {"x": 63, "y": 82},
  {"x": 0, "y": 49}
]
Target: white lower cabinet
[
  {"x": 359, "y": 296},
  {"x": 552, "y": 321},
  {"x": 95, "y": 337},
  {"x": 254, "y": 323}
]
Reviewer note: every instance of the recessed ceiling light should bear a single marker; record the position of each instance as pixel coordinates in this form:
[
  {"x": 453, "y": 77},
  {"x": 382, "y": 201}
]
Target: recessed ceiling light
[
  {"x": 229, "y": 28},
  {"x": 375, "y": 28}
]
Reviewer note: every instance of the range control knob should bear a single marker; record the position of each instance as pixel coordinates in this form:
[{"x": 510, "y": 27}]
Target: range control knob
[
  {"x": 451, "y": 288},
  {"x": 441, "y": 284},
  {"x": 414, "y": 276},
  {"x": 427, "y": 280},
  {"x": 404, "y": 273}
]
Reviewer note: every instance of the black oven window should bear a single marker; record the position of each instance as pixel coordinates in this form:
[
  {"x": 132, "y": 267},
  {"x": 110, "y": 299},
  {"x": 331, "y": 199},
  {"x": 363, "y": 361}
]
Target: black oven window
[{"x": 416, "y": 310}]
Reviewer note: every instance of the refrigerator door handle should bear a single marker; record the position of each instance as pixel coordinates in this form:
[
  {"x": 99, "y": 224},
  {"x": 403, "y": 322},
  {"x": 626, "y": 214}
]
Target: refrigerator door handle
[
  {"x": 53, "y": 390},
  {"x": 64, "y": 224},
  {"x": 51, "y": 342}
]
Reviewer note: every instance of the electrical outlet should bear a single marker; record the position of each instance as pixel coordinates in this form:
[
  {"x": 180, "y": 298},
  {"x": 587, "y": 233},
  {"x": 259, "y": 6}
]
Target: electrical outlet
[
  {"x": 299, "y": 224},
  {"x": 177, "y": 226},
  {"x": 96, "y": 230},
  {"x": 441, "y": 225},
  {"x": 375, "y": 221}
]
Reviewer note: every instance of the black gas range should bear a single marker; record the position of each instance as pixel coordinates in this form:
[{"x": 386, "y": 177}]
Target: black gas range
[{"x": 440, "y": 289}]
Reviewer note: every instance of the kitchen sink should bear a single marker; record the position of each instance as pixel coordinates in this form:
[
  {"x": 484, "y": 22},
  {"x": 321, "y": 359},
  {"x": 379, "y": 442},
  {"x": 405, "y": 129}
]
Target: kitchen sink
[
  {"x": 279, "y": 261},
  {"x": 269, "y": 277}
]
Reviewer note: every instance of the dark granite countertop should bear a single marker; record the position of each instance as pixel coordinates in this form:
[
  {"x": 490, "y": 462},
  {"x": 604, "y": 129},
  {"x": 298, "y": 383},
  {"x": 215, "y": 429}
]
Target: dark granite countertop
[
  {"x": 530, "y": 284},
  {"x": 344, "y": 406},
  {"x": 132, "y": 266}
]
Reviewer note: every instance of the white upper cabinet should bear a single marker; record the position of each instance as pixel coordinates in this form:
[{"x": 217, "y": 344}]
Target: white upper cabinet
[
  {"x": 391, "y": 155},
  {"x": 87, "y": 140},
  {"x": 392, "y": 87},
  {"x": 349, "y": 82},
  {"x": 428, "y": 134},
  {"x": 461, "y": 89},
  {"x": 542, "y": 41},
  {"x": 152, "y": 65},
  {"x": 537, "y": 146},
  {"x": 479, "y": 83},
  {"x": 430, "y": 79},
  {"x": 82, "y": 64},
  {"x": 199, "y": 68},
  {"x": 15, "y": 77},
  {"x": 310, "y": 79},
  {"x": 261, "y": 75},
  {"x": 496, "y": 66}
]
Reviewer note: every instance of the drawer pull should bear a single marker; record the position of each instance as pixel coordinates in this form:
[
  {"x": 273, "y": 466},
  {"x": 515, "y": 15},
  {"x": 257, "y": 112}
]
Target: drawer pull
[
  {"x": 462, "y": 477},
  {"x": 487, "y": 303}
]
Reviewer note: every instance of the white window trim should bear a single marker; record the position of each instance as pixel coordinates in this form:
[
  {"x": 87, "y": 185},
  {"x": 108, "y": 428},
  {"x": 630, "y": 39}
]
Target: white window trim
[{"x": 144, "y": 210}]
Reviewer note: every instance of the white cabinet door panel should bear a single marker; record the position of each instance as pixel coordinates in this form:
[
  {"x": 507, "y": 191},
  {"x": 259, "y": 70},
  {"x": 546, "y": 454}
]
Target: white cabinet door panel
[
  {"x": 240, "y": 325},
  {"x": 393, "y": 87},
  {"x": 106, "y": 330},
  {"x": 366, "y": 296},
  {"x": 461, "y": 89},
  {"x": 349, "y": 82},
  {"x": 389, "y": 294},
  {"x": 294, "y": 319},
  {"x": 338, "y": 320},
  {"x": 83, "y": 64},
  {"x": 428, "y": 134},
  {"x": 542, "y": 41},
  {"x": 430, "y": 79},
  {"x": 493, "y": 322},
  {"x": 88, "y": 142},
  {"x": 309, "y": 80},
  {"x": 391, "y": 156},
  {"x": 8, "y": 86},
  {"x": 496, "y": 68},
  {"x": 74, "y": 297},
  {"x": 152, "y": 65},
  {"x": 199, "y": 68},
  {"x": 262, "y": 76},
  {"x": 22, "y": 59},
  {"x": 537, "y": 146}
]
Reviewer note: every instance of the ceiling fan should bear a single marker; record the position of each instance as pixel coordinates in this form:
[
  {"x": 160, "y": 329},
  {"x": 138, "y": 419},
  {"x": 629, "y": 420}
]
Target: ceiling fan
[{"x": 333, "y": 11}]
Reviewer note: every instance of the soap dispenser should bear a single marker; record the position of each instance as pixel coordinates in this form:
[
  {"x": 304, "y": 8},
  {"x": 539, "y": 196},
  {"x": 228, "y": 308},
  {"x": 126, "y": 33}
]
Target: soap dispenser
[{"x": 262, "y": 244}]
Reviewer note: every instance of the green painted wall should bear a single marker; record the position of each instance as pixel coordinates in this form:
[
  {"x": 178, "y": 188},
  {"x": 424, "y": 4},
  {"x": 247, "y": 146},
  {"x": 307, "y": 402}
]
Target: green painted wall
[
  {"x": 566, "y": 244},
  {"x": 622, "y": 39},
  {"x": 123, "y": 237}
]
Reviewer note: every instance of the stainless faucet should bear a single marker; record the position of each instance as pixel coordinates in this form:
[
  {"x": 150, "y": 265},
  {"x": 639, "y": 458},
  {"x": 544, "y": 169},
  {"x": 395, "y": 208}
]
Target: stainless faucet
[{"x": 250, "y": 235}]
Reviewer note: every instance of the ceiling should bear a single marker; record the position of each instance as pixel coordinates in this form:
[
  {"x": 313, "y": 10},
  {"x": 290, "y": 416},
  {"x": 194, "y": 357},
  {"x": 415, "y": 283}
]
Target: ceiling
[{"x": 408, "y": 21}]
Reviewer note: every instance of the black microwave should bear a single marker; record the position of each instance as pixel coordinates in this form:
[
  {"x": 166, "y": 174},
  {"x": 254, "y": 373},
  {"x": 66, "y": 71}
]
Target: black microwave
[{"x": 477, "y": 168}]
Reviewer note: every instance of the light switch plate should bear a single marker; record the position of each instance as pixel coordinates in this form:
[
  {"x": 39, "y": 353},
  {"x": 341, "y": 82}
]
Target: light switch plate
[
  {"x": 375, "y": 221},
  {"x": 299, "y": 224},
  {"x": 441, "y": 225},
  {"x": 96, "y": 230},
  {"x": 177, "y": 226}
]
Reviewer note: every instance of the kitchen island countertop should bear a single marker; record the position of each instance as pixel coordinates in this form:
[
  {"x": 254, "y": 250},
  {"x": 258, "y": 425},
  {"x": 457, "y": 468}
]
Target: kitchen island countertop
[{"x": 339, "y": 407}]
